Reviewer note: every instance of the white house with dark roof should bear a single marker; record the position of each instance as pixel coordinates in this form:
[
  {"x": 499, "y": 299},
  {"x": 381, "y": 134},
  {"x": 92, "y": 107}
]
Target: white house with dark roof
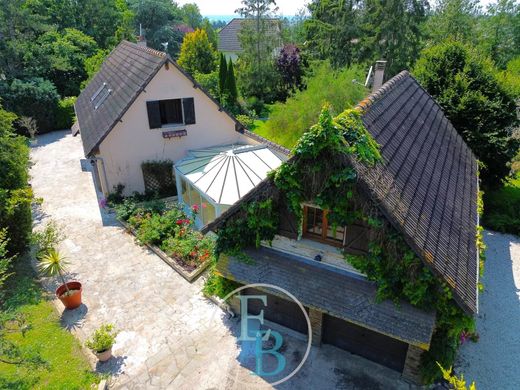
[{"x": 141, "y": 107}]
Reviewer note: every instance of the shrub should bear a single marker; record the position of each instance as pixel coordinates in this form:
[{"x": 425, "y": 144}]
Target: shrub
[
  {"x": 15, "y": 194},
  {"x": 288, "y": 121},
  {"x": 126, "y": 209},
  {"x": 481, "y": 109},
  {"x": 116, "y": 196},
  {"x": 197, "y": 53},
  {"x": 189, "y": 245},
  {"x": 47, "y": 239},
  {"x": 154, "y": 228},
  {"x": 65, "y": 116},
  {"x": 103, "y": 338},
  {"x": 209, "y": 82},
  {"x": 34, "y": 97},
  {"x": 218, "y": 285},
  {"x": 502, "y": 208},
  {"x": 247, "y": 121},
  {"x": 5, "y": 262}
]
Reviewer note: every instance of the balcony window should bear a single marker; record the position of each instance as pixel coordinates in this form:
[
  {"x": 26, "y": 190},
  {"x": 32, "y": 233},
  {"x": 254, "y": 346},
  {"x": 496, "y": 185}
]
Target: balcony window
[{"x": 316, "y": 227}]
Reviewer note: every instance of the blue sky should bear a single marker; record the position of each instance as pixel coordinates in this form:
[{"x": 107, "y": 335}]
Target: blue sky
[{"x": 227, "y": 7}]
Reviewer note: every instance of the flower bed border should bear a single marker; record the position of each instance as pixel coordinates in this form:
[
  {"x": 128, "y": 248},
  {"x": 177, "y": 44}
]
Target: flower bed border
[{"x": 189, "y": 276}]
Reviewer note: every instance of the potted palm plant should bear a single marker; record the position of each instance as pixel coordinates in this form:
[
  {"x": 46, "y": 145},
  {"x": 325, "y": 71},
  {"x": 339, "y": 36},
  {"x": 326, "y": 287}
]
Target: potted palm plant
[
  {"x": 102, "y": 341},
  {"x": 54, "y": 264}
]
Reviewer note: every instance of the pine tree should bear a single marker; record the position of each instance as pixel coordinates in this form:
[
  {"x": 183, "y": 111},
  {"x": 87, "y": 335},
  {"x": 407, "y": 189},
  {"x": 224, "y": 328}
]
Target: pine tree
[
  {"x": 231, "y": 84},
  {"x": 222, "y": 75}
]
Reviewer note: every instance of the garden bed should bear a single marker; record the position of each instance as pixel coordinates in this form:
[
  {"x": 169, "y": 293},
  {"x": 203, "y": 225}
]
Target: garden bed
[
  {"x": 168, "y": 232},
  {"x": 189, "y": 273}
]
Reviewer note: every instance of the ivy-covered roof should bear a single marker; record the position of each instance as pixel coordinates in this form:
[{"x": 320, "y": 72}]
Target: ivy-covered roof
[
  {"x": 426, "y": 184},
  {"x": 335, "y": 291}
]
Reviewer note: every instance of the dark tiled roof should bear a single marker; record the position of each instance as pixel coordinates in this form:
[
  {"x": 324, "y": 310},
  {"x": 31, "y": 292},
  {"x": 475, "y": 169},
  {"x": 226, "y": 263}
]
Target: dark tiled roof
[
  {"x": 126, "y": 71},
  {"x": 228, "y": 37},
  {"x": 427, "y": 185},
  {"x": 334, "y": 291}
]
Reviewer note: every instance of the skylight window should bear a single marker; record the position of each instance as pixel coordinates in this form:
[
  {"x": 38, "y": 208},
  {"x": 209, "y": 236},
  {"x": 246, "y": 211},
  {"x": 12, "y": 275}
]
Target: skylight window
[{"x": 100, "y": 96}]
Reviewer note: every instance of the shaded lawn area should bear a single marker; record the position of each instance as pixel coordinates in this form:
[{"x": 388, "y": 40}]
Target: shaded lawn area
[
  {"x": 63, "y": 364},
  {"x": 502, "y": 208}
]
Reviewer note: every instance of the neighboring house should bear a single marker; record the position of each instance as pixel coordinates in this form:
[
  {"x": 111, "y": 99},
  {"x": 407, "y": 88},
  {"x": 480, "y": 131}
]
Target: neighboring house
[
  {"x": 425, "y": 187},
  {"x": 229, "y": 40},
  {"x": 141, "y": 107}
]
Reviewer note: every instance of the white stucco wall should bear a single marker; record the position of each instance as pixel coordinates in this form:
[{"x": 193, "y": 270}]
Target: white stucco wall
[{"x": 132, "y": 141}]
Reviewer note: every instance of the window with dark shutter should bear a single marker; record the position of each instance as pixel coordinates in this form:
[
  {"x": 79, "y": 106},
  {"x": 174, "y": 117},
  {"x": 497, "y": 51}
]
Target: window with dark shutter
[
  {"x": 171, "y": 111},
  {"x": 154, "y": 114},
  {"x": 189, "y": 111}
]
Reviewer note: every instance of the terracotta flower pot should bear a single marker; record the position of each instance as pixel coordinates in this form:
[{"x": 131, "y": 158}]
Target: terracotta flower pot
[
  {"x": 105, "y": 355},
  {"x": 70, "y": 301}
]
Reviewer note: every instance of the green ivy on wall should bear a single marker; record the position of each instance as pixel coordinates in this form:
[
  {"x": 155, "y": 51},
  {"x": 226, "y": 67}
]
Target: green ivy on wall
[{"x": 320, "y": 170}]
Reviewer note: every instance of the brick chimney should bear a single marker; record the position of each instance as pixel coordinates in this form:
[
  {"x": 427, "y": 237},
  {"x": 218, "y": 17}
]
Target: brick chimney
[{"x": 379, "y": 75}]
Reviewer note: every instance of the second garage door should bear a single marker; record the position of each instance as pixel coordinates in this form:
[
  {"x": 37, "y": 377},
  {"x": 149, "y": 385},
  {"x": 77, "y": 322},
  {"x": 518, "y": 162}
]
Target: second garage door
[
  {"x": 364, "y": 342},
  {"x": 278, "y": 310}
]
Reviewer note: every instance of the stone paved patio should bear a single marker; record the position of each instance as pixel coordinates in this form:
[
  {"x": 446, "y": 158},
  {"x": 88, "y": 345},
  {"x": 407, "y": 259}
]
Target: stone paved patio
[{"x": 170, "y": 335}]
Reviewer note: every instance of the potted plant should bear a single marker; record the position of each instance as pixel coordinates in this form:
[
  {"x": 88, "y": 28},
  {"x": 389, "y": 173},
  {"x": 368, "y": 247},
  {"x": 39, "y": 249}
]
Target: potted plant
[
  {"x": 102, "y": 341},
  {"x": 54, "y": 264}
]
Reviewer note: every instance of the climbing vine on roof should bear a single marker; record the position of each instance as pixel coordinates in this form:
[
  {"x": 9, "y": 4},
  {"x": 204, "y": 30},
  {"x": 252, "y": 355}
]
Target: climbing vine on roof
[{"x": 320, "y": 170}]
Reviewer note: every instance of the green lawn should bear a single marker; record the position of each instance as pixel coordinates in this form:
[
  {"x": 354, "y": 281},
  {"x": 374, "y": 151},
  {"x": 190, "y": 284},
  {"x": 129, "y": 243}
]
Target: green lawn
[
  {"x": 63, "y": 364},
  {"x": 502, "y": 208}
]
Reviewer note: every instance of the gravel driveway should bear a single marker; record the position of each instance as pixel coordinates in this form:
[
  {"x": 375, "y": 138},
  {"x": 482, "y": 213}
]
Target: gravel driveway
[
  {"x": 169, "y": 337},
  {"x": 494, "y": 361}
]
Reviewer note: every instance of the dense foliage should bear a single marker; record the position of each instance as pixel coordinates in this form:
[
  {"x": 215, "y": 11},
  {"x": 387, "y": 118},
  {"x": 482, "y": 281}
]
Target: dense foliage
[
  {"x": 15, "y": 193},
  {"x": 197, "y": 53},
  {"x": 502, "y": 211},
  {"x": 288, "y": 121},
  {"x": 291, "y": 66},
  {"x": 480, "y": 108},
  {"x": 348, "y": 32},
  {"x": 167, "y": 226}
]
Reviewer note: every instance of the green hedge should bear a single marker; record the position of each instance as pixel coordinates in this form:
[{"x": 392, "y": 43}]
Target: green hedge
[{"x": 65, "y": 116}]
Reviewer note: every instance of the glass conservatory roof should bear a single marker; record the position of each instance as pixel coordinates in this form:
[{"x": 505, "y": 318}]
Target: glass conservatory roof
[{"x": 226, "y": 173}]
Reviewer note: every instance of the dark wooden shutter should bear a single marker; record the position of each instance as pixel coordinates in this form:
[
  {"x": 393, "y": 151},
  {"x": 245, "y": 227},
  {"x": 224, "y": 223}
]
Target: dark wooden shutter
[
  {"x": 189, "y": 111},
  {"x": 154, "y": 114}
]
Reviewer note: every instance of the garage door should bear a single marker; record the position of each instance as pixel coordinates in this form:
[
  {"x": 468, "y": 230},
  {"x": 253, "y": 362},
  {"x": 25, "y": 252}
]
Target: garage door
[
  {"x": 278, "y": 310},
  {"x": 364, "y": 342}
]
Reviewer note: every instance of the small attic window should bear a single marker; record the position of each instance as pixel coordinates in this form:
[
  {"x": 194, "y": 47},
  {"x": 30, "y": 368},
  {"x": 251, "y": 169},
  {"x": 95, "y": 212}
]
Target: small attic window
[{"x": 100, "y": 96}]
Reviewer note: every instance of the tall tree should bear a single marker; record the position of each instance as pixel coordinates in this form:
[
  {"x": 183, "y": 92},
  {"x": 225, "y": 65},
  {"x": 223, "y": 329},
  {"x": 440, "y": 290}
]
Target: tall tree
[
  {"x": 222, "y": 75},
  {"x": 197, "y": 53},
  {"x": 500, "y": 35},
  {"x": 290, "y": 65},
  {"x": 391, "y": 30},
  {"x": 259, "y": 36},
  {"x": 333, "y": 30},
  {"x": 190, "y": 14},
  {"x": 482, "y": 111},
  {"x": 231, "y": 84},
  {"x": 63, "y": 56},
  {"x": 455, "y": 19},
  {"x": 156, "y": 18}
]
